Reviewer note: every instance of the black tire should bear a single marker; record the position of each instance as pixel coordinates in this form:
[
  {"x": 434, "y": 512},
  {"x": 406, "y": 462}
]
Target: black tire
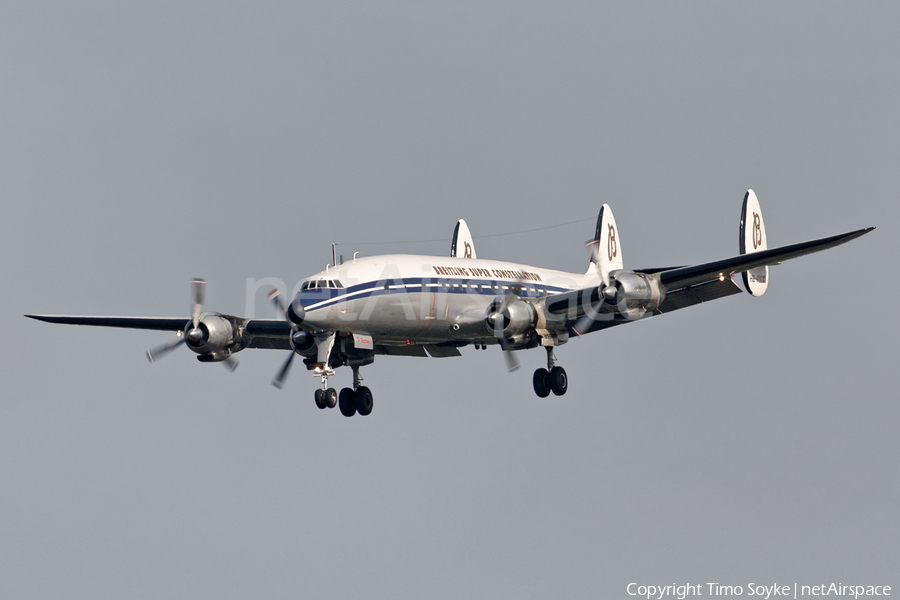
[
  {"x": 364, "y": 400},
  {"x": 320, "y": 398},
  {"x": 331, "y": 397},
  {"x": 346, "y": 397},
  {"x": 559, "y": 381},
  {"x": 347, "y": 403},
  {"x": 541, "y": 382}
]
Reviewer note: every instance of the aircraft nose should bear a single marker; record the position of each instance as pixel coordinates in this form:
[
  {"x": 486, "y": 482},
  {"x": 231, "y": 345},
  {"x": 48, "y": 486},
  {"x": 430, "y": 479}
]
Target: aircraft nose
[{"x": 296, "y": 313}]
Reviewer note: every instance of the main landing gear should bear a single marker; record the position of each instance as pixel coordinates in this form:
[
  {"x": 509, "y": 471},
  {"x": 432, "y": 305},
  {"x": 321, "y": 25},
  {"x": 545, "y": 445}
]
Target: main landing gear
[
  {"x": 350, "y": 401},
  {"x": 552, "y": 379}
]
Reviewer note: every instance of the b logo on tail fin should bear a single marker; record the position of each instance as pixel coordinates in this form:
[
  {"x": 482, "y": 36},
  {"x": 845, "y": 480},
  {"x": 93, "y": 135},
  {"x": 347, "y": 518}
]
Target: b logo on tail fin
[
  {"x": 612, "y": 248},
  {"x": 753, "y": 239},
  {"x": 757, "y": 231},
  {"x": 606, "y": 235}
]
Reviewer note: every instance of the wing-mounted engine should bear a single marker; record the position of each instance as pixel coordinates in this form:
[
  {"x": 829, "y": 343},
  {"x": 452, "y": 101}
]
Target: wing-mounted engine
[
  {"x": 216, "y": 337},
  {"x": 513, "y": 318},
  {"x": 628, "y": 295},
  {"x": 213, "y": 336},
  {"x": 633, "y": 294}
]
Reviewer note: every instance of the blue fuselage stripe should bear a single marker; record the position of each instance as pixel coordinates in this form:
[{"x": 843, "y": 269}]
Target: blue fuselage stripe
[{"x": 322, "y": 298}]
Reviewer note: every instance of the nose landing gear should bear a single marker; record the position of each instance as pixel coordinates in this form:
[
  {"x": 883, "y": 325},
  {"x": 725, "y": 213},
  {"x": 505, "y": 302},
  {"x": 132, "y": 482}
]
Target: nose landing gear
[{"x": 552, "y": 379}]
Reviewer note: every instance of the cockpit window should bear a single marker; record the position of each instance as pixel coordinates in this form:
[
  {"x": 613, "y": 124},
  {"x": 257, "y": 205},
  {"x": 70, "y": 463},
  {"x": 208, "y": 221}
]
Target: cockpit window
[{"x": 321, "y": 284}]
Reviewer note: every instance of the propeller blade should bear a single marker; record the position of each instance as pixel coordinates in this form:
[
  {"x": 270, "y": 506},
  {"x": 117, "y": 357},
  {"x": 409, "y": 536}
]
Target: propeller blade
[
  {"x": 154, "y": 354},
  {"x": 278, "y": 301},
  {"x": 583, "y": 325},
  {"x": 282, "y": 373},
  {"x": 512, "y": 362},
  {"x": 230, "y": 363},
  {"x": 198, "y": 291}
]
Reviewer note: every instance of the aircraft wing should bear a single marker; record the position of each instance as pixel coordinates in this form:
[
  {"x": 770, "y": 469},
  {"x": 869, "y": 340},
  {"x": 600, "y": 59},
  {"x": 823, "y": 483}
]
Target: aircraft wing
[
  {"x": 687, "y": 286},
  {"x": 264, "y": 333},
  {"x": 682, "y": 277}
]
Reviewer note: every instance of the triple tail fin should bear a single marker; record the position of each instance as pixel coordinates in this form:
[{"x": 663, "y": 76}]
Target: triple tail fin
[
  {"x": 462, "y": 245},
  {"x": 606, "y": 249},
  {"x": 753, "y": 239}
]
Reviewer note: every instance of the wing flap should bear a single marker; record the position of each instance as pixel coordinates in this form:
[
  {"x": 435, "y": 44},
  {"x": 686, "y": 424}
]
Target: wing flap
[{"x": 704, "y": 292}]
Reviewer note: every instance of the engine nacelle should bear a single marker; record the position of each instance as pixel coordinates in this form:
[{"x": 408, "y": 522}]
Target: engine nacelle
[
  {"x": 636, "y": 294},
  {"x": 213, "y": 337},
  {"x": 301, "y": 341},
  {"x": 515, "y": 319}
]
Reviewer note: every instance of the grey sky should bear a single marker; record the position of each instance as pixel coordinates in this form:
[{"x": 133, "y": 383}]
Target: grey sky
[{"x": 748, "y": 440}]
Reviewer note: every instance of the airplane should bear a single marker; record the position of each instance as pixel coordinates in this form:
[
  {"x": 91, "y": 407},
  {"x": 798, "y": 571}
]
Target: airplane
[{"x": 415, "y": 305}]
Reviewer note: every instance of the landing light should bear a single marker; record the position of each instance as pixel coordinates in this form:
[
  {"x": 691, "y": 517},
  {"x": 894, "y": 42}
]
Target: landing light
[
  {"x": 721, "y": 277},
  {"x": 179, "y": 333}
]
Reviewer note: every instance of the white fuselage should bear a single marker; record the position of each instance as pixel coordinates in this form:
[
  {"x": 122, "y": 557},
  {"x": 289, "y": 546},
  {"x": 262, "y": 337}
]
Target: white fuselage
[{"x": 411, "y": 299}]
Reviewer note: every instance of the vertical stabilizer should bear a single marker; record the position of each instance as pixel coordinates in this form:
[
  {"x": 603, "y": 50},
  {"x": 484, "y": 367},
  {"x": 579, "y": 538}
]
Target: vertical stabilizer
[
  {"x": 753, "y": 239},
  {"x": 462, "y": 245},
  {"x": 606, "y": 251}
]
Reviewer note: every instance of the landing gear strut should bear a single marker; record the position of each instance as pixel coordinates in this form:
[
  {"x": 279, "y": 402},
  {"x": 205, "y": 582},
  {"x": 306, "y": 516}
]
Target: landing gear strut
[
  {"x": 356, "y": 400},
  {"x": 326, "y": 397},
  {"x": 552, "y": 379}
]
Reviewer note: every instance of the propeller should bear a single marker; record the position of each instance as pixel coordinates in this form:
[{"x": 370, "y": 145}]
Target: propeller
[
  {"x": 608, "y": 293},
  {"x": 281, "y": 376},
  {"x": 194, "y": 334},
  {"x": 499, "y": 318}
]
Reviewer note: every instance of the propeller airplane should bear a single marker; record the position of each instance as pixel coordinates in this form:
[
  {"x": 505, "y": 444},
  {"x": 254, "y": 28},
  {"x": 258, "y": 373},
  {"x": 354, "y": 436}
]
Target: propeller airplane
[{"x": 413, "y": 305}]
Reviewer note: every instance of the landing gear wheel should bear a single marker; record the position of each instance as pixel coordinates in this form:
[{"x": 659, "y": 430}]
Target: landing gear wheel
[
  {"x": 364, "y": 400},
  {"x": 346, "y": 398},
  {"x": 559, "y": 381},
  {"x": 331, "y": 397},
  {"x": 347, "y": 402},
  {"x": 320, "y": 398},
  {"x": 541, "y": 382}
]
